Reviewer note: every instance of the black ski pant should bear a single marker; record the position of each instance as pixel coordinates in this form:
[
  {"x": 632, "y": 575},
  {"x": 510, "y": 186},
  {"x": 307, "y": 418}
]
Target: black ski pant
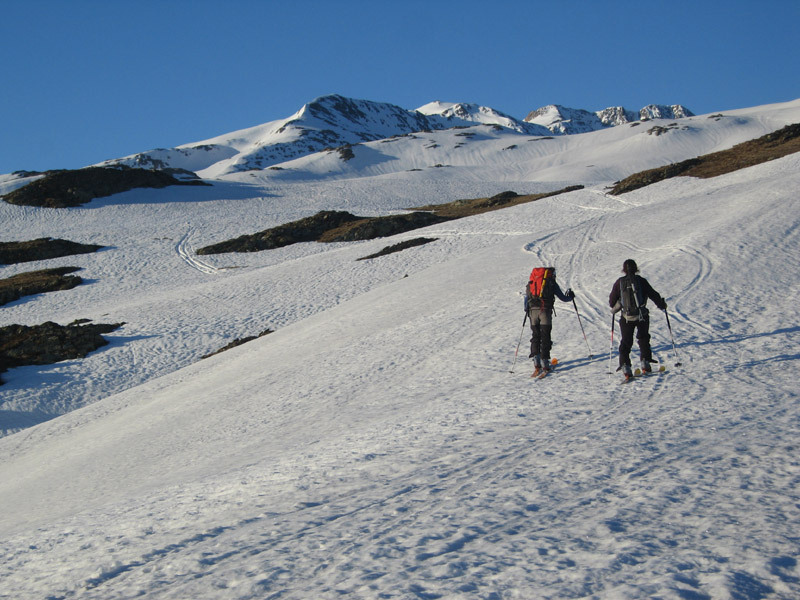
[
  {"x": 541, "y": 328},
  {"x": 642, "y": 330}
]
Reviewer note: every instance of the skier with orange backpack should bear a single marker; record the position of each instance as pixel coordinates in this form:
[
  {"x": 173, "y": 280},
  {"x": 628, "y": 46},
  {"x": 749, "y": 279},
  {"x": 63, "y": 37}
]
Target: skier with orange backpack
[{"x": 540, "y": 295}]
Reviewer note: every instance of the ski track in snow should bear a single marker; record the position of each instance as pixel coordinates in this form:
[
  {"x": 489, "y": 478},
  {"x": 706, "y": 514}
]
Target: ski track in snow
[
  {"x": 376, "y": 445},
  {"x": 186, "y": 252}
]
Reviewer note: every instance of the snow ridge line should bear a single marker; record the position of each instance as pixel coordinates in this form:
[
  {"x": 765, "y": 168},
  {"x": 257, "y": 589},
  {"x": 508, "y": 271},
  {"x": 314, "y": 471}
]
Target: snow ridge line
[{"x": 186, "y": 252}]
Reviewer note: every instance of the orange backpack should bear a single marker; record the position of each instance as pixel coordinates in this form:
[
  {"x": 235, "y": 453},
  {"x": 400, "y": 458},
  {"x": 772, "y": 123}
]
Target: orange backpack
[{"x": 539, "y": 284}]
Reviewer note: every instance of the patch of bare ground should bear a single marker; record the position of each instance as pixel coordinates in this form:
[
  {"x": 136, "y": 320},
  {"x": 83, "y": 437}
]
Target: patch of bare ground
[
  {"x": 41, "y": 249},
  {"x": 341, "y": 226},
  {"x": 466, "y": 208},
  {"x": 49, "y": 343},
  {"x": 400, "y": 247},
  {"x": 747, "y": 154},
  {"x": 65, "y": 188},
  {"x": 238, "y": 342},
  {"x": 304, "y": 230},
  {"x": 38, "y": 282},
  {"x": 371, "y": 228}
]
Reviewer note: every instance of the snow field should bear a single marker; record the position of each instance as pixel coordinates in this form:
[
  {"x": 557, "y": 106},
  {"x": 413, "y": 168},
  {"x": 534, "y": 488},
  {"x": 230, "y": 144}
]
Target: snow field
[{"x": 376, "y": 445}]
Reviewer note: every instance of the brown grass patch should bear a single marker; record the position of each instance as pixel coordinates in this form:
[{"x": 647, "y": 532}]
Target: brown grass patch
[
  {"x": 466, "y": 208},
  {"x": 747, "y": 154},
  {"x": 341, "y": 226}
]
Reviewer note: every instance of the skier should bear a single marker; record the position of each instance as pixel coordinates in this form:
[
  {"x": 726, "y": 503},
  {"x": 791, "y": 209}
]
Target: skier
[
  {"x": 540, "y": 294},
  {"x": 629, "y": 297}
]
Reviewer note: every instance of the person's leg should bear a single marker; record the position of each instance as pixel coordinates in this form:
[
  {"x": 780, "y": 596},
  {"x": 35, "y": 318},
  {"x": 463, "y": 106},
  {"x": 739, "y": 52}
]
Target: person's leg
[
  {"x": 545, "y": 337},
  {"x": 536, "y": 332},
  {"x": 626, "y": 342},
  {"x": 643, "y": 339}
]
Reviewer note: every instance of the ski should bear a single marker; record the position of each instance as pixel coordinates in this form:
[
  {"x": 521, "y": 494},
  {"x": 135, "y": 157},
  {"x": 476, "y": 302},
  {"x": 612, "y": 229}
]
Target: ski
[
  {"x": 539, "y": 373},
  {"x": 638, "y": 373}
]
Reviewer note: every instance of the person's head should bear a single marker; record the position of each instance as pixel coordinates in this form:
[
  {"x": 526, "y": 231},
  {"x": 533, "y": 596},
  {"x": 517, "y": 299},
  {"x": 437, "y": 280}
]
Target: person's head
[{"x": 629, "y": 267}]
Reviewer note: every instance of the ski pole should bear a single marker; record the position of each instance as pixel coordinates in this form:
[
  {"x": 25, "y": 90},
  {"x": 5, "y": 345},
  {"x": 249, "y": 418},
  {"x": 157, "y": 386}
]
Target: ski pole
[
  {"x": 524, "y": 320},
  {"x": 611, "y": 350},
  {"x": 672, "y": 337},
  {"x": 582, "y": 330}
]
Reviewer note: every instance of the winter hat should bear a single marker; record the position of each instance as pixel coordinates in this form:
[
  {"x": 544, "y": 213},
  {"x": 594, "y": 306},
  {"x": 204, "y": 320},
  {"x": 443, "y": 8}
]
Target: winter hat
[{"x": 629, "y": 267}]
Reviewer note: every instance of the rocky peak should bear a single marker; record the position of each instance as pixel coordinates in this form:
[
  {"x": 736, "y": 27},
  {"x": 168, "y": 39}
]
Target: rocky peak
[{"x": 562, "y": 120}]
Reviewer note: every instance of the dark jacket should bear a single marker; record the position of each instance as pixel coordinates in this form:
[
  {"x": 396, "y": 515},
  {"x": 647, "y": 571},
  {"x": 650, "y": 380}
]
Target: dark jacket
[{"x": 645, "y": 291}]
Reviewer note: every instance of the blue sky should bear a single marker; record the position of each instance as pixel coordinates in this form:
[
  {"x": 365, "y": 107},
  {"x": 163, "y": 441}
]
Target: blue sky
[{"x": 88, "y": 80}]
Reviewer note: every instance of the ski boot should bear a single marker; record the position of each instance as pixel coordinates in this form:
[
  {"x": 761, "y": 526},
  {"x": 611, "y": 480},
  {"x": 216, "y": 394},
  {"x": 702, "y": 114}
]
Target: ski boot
[
  {"x": 627, "y": 373},
  {"x": 537, "y": 366}
]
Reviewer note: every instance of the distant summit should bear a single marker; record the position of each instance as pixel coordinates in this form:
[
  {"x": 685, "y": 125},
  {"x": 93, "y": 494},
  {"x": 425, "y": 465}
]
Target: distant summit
[
  {"x": 477, "y": 115},
  {"x": 334, "y": 121},
  {"x": 567, "y": 121}
]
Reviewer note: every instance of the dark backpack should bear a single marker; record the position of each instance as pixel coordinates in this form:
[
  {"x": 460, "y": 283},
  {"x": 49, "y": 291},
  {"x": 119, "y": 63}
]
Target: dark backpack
[
  {"x": 540, "y": 286},
  {"x": 630, "y": 298}
]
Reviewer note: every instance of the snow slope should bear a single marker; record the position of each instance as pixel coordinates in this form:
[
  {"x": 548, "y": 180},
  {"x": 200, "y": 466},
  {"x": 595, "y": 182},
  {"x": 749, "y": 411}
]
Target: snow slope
[{"x": 376, "y": 445}]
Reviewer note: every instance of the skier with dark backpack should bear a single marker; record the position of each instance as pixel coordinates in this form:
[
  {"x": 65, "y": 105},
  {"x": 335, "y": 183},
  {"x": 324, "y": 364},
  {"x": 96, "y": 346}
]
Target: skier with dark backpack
[
  {"x": 540, "y": 295},
  {"x": 629, "y": 297}
]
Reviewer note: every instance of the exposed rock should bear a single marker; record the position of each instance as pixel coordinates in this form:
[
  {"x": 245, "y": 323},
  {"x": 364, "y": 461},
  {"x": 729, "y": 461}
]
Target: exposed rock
[
  {"x": 61, "y": 189},
  {"x": 378, "y": 227},
  {"x": 566, "y": 121},
  {"x": 49, "y": 343},
  {"x": 346, "y": 152},
  {"x": 238, "y": 342},
  {"x": 340, "y": 226},
  {"x": 662, "y": 111},
  {"x": 473, "y": 206},
  {"x": 41, "y": 249},
  {"x": 37, "y": 282},
  {"x": 305, "y": 230},
  {"x": 400, "y": 247}
]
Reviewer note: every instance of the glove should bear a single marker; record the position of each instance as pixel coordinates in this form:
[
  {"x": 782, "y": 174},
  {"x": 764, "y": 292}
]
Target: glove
[{"x": 570, "y": 294}]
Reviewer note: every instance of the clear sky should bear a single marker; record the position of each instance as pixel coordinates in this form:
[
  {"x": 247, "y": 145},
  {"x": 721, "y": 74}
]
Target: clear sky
[{"x": 88, "y": 80}]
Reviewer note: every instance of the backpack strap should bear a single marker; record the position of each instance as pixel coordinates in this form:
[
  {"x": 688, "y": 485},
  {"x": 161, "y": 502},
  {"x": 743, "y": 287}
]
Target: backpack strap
[{"x": 636, "y": 296}]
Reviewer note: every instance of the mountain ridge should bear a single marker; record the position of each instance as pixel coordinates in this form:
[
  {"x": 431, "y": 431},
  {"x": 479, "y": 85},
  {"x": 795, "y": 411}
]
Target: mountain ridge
[
  {"x": 570, "y": 121},
  {"x": 333, "y": 121}
]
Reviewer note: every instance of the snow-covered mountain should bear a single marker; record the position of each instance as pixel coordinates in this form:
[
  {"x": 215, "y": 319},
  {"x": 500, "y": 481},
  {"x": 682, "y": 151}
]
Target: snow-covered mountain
[
  {"x": 569, "y": 121},
  {"x": 327, "y": 122},
  {"x": 335, "y": 121},
  {"x": 461, "y": 114},
  {"x": 376, "y": 445}
]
